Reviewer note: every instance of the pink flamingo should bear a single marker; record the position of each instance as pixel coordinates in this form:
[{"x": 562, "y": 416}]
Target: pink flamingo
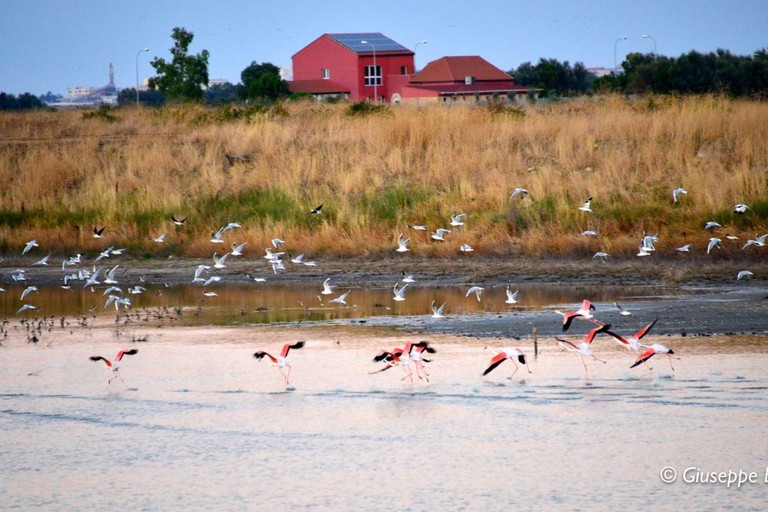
[
  {"x": 656, "y": 348},
  {"x": 115, "y": 365},
  {"x": 502, "y": 355},
  {"x": 280, "y": 361},
  {"x": 584, "y": 312},
  {"x": 633, "y": 342},
  {"x": 583, "y": 347}
]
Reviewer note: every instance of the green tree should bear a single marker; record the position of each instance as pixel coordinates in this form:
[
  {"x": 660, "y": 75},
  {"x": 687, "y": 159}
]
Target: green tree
[
  {"x": 262, "y": 81},
  {"x": 186, "y": 76},
  {"x": 150, "y": 98},
  {"x": 221, "y": 94}
]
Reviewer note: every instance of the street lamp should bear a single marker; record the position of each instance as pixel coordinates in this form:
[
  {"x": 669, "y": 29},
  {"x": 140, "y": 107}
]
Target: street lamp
[
  {"x": 414, "y": 54},
  {"x": 375, "y": 74},
  {"x": 614, "y": 51},
  {"x": 137, "y": 73},
  {"x": 646, "y": 36}
]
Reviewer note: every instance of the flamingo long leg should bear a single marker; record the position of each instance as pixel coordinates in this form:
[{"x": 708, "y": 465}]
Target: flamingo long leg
[{"x": 516, "y": 368}]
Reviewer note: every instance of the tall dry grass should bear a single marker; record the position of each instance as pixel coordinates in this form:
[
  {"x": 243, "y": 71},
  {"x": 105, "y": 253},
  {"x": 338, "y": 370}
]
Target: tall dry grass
[{"x": 64, "y": 172}]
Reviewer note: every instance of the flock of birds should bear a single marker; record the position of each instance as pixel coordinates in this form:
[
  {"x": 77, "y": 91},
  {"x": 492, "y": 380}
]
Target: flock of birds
[
  {"x": 413, "y": 356},
  {"x": 410, "y": 357}
]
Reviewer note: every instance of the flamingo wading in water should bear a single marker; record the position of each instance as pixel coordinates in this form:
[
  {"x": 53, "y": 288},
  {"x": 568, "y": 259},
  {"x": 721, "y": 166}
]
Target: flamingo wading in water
[
  {"x": 115, "y": 365},
  {"x": 280, "y": 361}
]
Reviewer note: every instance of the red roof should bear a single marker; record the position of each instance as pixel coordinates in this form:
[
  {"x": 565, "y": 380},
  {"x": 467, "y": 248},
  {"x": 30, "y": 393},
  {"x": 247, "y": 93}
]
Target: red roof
[
  {"x": 476, "y": 88},
  {"x": 319, "y": 86},
  {"x": 456, "y": 69}
]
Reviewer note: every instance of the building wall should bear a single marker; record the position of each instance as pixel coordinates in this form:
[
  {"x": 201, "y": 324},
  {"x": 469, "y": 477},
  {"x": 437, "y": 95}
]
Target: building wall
[
  {"x": 325, "y": 53},
  {"x": 391, "y": 69}
]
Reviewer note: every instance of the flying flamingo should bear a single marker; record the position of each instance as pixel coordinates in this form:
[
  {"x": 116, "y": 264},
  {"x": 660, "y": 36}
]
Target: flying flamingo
[
  {"x": 583, "y": 347},
  {"x": 115, "y": 365},
  {"x": 416, "y": 352},
  {"x": 656, "y": 348},
  {"x": 633, "y": 342},
  {"x": 280, "y": 361},
  {"x": 395, "y": 357},
  {"x": 505, "y": 353},
  {"x": 584, "y": 312}
]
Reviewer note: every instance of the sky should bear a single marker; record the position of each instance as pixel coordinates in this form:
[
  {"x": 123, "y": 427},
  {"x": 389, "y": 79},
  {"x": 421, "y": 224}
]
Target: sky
[{"x": 50, "y": 45}]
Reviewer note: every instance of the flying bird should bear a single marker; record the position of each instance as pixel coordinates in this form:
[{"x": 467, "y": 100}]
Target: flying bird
[
  {"x": 42, "y": 261},
  {"x": 586, "y": 206},
  {"x": 402, "y": 243},
  {"x": 656, "y": 348},
  {"x": 178, "y": 222},
  {"x": 28, "y": 290},
  {"x": 160, "y": 239},
  {"x": 26, "y": 307},
  {"x": 317, "y": 210},
  {"x": 507, "y": 353},
  {"x": 744, "y": 274},
  {"x": 466, "y": 248},
  {"x": 280, "y": 361},
  {"x": 583, "y": 347},
  {"x": 511, "y": 296},
  {"x": 711, "y": 225},
  {"x": 237, "y": 250},
  {"x": 28, "y": 246},
  {"x": 98, "y": 233},
  {"x": 684, "y": 248},
  {"x": 740, "y": 209},
  {"x": 584, "y": 312},
  {"x": 677, "y": 193},
  {"x": 602, "y": 256},
  {"x": 457, "y": 220},
  {"x": 114, "y": 365},
  {"x": 633, "y": 342},
  {"x": 400, "y": 292},
  {"x": 437, "y": 312},
  {"x": 622, "y": 311},
  {"x": 439, "y": 233},
  {"x": 477, "y": 290},
  {"x": 713, "y": 242},
  {"x": 327, "y": 287},
  {"x": 517, "y": 192},
  {"x": 341, "y": 299}
]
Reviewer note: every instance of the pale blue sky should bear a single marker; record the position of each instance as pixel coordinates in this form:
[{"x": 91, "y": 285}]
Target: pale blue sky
[{"x": 49, "y": 45}]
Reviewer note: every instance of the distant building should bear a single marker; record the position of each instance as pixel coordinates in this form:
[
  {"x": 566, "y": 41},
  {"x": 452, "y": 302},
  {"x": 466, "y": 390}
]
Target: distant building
[
  {"x": 601, "y": 72},
  {"x": 370, "y": 65},
  {"x": 87, "y": 96}
]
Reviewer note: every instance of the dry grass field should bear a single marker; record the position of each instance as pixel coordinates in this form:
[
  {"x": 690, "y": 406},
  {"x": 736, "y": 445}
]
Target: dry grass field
[{"x": 132, "y": 169}]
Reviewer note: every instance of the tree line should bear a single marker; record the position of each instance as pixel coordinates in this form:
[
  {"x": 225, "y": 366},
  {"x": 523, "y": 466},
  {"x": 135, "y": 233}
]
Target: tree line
[
  {"x": 717, "y": 72},
  {"x": 185, "y": 78}
]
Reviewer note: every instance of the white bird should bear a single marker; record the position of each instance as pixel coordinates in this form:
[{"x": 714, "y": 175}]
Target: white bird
[
  {"x": 231, "y": 225},
  {"x": 137, "y": 290},
  {"x": 511, "y": 296},
  {"x": 713, "y": 242},
  {"x": 456, "y": 220},
  {"x": 178, "y": 222},
  {"x": 518, "y": 191},
  {"x": 589, "y": 233},
  {"x": 418, "y": 227},
  {"x": 117, "y": 252},
  {"x": 219, "y": 262},
  {"x": 160, "y": 239},
  {"x": 439, "y": 233},
  {"x": 110, "y": 276},
  {"x": 112, "y": 289},
  {"x": 758, "y": 241},
  {"x": 408, "y": 278},
  {"x": 586, "y": 206},
  {"x": 42, "y": 261},
  {"x": 400, "y": 292},
  {"x": 744, "y": 274},
  {"x": 199, "y": 271},
  {"x": 211, "y": 280},
  {"x": 93, "y": 279},
  {"x": 298, "y": 259},
  {"x": 103, "y": 254},
  {"x": 237, "y": 250},
  {"x": 272, "y": 256},
  {"x": 712, "y": 224},
  {"x": 277, "y": 264},
  {"x": 740, "y": 208},
  {"x": 684, "y": 248},
  {"x": 341, "y": 299},
  {"x": 466, "y": 248},
  {"x": 317, "y": 210},
  {"x": 477, "y": 290},
  {"x": 437, "y": 312},
  {"x": 216, "y": 237},
  {"x": 28, "y": 290},
  {"x": 26, "y": 307},
  {"x": 402, "y": 243},
  {"x": 677, "y": 193},
  {"x": 603, "y": 256},
  {"x": 98, "y": 233},
  {"x": 622, "y": 311},
  {"x": 210, "y": 294},
  {"x": 276, "y": 242},
  {"x": 310, "y": 263},
  {"x": 327, "y": 287},
  {"x": 28, "y": 246}
]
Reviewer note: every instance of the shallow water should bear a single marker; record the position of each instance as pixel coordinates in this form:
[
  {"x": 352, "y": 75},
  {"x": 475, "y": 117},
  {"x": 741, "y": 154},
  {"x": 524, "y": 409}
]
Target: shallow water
[
  {"x": 291, "y": 302},
  {"x": 199, "y": 423}
]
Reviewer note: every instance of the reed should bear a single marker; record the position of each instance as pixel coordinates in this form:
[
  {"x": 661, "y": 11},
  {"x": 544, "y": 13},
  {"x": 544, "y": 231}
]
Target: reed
[{"x": 130, "y": 170}]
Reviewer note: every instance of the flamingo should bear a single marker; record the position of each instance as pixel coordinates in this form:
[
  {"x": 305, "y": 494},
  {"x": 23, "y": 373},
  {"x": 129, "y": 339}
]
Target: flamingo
[
  {"x": 280, "y": 361},
  {"x": 115, "y": 365},
  {"x": 583, "y": 312},
  {"x": 503, "y": 354},
  {"x": 633, "y": 342},
  {"x": 656, "y": 348},
  {"x": 395, "y": 357},
  {"x": 583, "y": 347}
]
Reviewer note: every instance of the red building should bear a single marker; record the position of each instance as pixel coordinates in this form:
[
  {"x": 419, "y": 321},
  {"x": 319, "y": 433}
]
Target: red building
[
  {"x": 370, "y": 65},
  {"x": 356, "y": 66}
]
